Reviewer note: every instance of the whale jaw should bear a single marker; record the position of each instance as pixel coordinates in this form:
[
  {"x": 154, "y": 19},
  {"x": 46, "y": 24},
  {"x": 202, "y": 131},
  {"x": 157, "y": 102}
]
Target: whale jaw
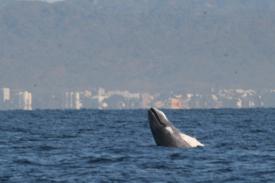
[{"x": 165, "y": 134}]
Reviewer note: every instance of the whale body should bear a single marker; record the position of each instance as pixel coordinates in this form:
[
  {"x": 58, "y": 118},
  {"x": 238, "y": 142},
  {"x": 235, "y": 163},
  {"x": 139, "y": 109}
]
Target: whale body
[{"x": 166, "y": 134}]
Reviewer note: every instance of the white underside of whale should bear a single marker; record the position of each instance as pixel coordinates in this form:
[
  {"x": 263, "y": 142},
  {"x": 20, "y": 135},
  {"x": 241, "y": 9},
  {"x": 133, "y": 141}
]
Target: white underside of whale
[
  {"x": 190, "y": 141},
  {"x": 193, "y": 142}
]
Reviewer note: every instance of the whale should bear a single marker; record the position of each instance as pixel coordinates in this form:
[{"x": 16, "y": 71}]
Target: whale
[{"x": 166, "y": 134}]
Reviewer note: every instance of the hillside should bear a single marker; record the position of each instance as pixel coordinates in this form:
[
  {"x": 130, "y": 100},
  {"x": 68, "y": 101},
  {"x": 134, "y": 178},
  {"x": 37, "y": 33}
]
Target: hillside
[{"x": 137, "y": 45}]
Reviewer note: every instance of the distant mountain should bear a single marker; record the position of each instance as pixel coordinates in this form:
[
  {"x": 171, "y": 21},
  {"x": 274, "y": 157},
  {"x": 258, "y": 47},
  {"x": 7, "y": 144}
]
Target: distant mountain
[{"x": 165, "y": 45}]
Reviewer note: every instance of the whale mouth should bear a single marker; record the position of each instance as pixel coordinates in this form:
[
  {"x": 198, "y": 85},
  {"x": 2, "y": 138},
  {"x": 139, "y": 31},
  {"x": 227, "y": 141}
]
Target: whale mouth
[{"x": 157, "y": 118}]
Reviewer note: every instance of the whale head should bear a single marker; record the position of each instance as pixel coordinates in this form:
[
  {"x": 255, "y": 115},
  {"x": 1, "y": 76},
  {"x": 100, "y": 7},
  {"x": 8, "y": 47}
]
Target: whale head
[
  {"x": 162, "y": 129},
  {"x": 158, "y": 118}
]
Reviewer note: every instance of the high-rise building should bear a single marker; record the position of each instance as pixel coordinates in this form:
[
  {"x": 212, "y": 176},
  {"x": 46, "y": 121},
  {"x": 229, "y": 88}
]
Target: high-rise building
[
  {"x": 73, "y": 100},
  {"x": 5, "y": 99},
  {"x": 78, "y": 104},
  {"x": 6, "y": 95},
  {"x": 25, "y": 100}
]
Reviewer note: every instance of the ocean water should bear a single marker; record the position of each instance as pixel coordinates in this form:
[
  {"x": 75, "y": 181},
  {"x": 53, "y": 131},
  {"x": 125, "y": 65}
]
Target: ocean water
[{"x": 117, "y": 146}]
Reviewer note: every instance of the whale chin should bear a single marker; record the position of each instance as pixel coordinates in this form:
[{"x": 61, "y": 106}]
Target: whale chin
[{"x": 166, "y": 134}]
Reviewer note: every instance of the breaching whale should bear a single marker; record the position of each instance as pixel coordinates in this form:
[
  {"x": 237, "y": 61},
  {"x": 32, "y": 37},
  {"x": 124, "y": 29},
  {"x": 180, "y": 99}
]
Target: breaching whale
[{"x": 165, "y": 134}]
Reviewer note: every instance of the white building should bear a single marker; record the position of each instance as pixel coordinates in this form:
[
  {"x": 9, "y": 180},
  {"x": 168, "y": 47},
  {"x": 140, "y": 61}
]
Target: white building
[
  {"x": 78, "y": 104},
  {"x": 6, "y": 95},
  {"x": 73, "y": 100},
  {"x": 25, "y": 100}
]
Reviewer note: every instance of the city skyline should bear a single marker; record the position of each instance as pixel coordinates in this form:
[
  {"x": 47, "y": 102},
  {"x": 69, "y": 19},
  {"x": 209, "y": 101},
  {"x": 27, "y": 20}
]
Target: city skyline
[{"x": 100, "y": 98}]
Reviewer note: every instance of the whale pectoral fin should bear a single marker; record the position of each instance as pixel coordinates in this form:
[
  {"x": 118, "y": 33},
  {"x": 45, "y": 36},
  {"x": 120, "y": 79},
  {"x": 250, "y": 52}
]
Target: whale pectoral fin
[{"x": 169, "y": 129}]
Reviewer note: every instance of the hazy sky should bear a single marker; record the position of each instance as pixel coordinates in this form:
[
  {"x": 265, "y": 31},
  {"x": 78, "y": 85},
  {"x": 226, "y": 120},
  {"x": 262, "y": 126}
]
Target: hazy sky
[
  {"x": 49, "y": 1},
  {"x": 138, "y": 44}
]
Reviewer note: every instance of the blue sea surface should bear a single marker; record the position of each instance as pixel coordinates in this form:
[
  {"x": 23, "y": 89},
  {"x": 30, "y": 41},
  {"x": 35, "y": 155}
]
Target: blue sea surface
[{"x": 117, "y": 146}]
